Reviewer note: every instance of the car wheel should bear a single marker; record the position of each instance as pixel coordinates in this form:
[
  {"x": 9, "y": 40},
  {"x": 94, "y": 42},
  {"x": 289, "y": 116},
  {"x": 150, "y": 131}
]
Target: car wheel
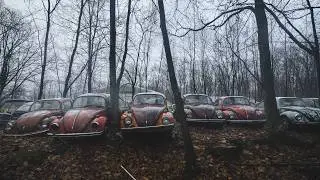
[{"x": 285, "y": 124}]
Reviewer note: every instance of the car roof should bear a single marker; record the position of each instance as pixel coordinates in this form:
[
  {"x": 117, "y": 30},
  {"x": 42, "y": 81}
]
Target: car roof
[
  {"x": 55, "y": 99},
  {"x": 223, "y": 97},
  {"x": 185, "y": 95},
  {"x": 16, "y": 100},
  {"x": 280, "y": 97},
  {"x": 104, "y": 95},
  {"x": 146, "y": 93},
  {"x": 310, "y": 98},
  {"x": 28, "y": 103}
]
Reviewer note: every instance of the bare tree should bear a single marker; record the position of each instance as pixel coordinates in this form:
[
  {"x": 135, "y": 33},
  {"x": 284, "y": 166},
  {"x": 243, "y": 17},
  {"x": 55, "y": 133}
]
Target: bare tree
[
  {"x": 114, "y": 93},
  {"x": 271, "y": 110},
  {"x": 190, "y": 156},
  {"x": 311, "y": 48},
  {"x": 49, "y": 10},
  {"x": 67, "y": 84},
  {"x": 17, "y": 52}
]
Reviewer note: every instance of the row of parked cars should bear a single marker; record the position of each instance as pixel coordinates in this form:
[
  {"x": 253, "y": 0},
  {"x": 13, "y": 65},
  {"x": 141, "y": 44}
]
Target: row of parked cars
[{"x": 90, "y": 115}]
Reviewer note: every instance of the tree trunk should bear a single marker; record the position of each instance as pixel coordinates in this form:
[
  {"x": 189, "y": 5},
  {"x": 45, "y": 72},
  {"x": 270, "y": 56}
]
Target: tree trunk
[
  {"x": 114, "y": 92},
  {"x": 190, "y": 157},
  {"x": 4, "y": 72},
  {"x": 125, "y": 45},
  {"x": 273, "y": 119},
  {"x": 44, "y": 63},
  {"x": 66, "y": 83},
  {"x": 315, "y": 49},
  {"x": 90, "y": 49}
]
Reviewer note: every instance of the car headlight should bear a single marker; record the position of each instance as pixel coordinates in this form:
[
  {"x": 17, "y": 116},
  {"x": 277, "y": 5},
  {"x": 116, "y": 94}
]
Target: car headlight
[
  {"x": 127, "y": 121},
  {"x": 165, "y": 121},
  {"x": 188, "y": 113},
  {"x": 258, "y": 112},
  {"x": 45, "y": 122},
  {"x": 11, "y": 123},
  {"x": 95, "y": 125},
  {"x": 232, "y": 115},
  {"x": 219, "y": 114},
  {"x": 299, "y": 118},
  {"x": 54, "y": 126}
]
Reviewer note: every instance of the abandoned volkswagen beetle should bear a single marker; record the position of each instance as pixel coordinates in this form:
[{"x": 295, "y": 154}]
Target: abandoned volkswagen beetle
[
  {"x": 148, "y": 113},
  {"x": 200, "y": 108},
  {"x": 37, "y": 121},
  {"x": 7, "y": 108},
  {"x": 294, "y": 112},
  {"x": 88, "y": 117},
  {"x": 238, "y": 109}
]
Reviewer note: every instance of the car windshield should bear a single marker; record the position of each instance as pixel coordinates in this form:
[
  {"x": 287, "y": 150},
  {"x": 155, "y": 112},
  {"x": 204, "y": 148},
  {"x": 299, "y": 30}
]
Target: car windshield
[
  {"x": 283, "y": 102},
  {"x": 11, "y": 106},
  {"x": 25, "y": 107},
  {"x": 46, "y": 105},
  {"x": 197, "y": 99},
  {"x": 312, "y": 102},
  {"x": 154, "y": 99},
  {"x": 236, "y": 101},
  {"x": 89, "y": 101}
]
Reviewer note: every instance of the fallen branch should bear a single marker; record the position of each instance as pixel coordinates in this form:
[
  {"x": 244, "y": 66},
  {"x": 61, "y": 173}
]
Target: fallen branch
[{"x": 128, "y": 172}]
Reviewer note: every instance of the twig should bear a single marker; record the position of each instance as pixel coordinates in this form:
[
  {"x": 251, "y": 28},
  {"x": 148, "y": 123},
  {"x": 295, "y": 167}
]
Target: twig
[{"x": 128, "y": 172}]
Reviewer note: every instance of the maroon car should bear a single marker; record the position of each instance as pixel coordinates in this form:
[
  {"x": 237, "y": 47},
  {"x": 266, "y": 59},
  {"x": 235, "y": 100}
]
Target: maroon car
[
  {"x": 87, "y": 117},
  {"x": 148, "y": 113},
  {"x": 42, "y": 112},
  {"x": 238, "y": 109},
  {"x": 200, "y": 108}
]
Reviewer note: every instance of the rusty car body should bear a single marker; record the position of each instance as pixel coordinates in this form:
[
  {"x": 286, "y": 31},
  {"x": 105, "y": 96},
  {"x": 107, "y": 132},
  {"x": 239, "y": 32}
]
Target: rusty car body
[
  {"x": 87, "y": 117},
  {"x": 294, "y": 113},
  {"x": 148, "y": 113},
  {"x": 238, "y": 109},
  {"x": 25, "y": 108},
  {"x": 7, "y": 108},
  {"x": 200, "y": 108},
  {"x": 38, "y": 119}
]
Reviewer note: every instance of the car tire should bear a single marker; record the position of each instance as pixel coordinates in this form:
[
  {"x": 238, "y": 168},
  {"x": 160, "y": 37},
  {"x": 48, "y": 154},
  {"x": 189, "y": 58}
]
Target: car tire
[{"x": 285, "y": 124}]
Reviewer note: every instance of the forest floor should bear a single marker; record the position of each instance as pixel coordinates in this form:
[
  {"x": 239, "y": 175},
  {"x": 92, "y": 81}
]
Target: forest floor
[{"x": 232, "y": 152}]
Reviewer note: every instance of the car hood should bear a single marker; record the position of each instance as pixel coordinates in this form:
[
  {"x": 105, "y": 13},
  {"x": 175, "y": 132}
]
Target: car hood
[
  {"x": 17, "y": 114},
  {"x": 243, "y": 111},
  {"x": 148, "y": 115},
  {"x": 312, "y": 114},
  {"x": 33, "y": 118},
  {"x": 202, "y": 110},
  {"x": 76, "y": 120},
  {"x": 5, "y": 116}
]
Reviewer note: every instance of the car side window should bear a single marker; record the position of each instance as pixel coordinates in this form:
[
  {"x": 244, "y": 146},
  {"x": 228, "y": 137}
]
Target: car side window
[
  {"x": 260, "y": 105},
  {"x": 216, "y": 102},
  {"x": 66, "y": 105},
  {"x": 227, "y": 101},
  {"x": 35, "y": 106}
]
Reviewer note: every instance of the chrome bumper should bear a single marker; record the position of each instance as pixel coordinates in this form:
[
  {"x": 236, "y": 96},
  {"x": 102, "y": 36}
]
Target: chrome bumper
[
  {"x": 206, "y": 120},
  {"x": 160, "y": 128},
  {"x": 246, "y": 120},
  {"x": 26, "y": 134},
  {"x": 306, "y": 123},
  {"x": 70, "y": 135}
]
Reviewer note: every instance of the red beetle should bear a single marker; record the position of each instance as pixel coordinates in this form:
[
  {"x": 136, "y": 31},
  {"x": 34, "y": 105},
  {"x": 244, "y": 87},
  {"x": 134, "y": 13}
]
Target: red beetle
[
  {"x": 238, "y": 109},
  {"x": 37, "y": 121},
  {"x": 88, "y": 117},
  {"x": 200, "y": 108},
  {"x": 148, "y": 113}
]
